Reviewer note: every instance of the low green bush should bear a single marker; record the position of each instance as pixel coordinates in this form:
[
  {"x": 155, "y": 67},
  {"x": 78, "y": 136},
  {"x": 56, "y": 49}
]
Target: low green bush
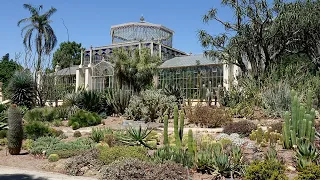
[
  {"x": 53, "y": 157},
  {"x": 84, "y": 119},
  {"x": 267, "y": 169},
  {"x": 36, "y": 129},
  {"x": 3, "y": 142},
  {"x": 3, "y": 134},
  {"x": 41, "y": 114},
  {"x": 311, "y": 172},
  {"x": 53, "y": 145},
  {"x": 110, "y": 154},
  {"x": 57, "y": 123}
]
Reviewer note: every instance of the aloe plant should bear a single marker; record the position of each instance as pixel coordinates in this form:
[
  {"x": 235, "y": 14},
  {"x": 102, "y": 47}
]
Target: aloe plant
[{"x": 306, "y": 153}]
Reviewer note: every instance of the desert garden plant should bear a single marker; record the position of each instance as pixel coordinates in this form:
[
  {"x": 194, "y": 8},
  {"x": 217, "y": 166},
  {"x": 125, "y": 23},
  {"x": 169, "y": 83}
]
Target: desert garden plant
[
  {"x": 119, "y": 99},
  {"x": 110, "y": 154},
  {"x": 136, "y": 136},
  {"x": 84, "y": 119},
  {"x": 22, "y": 89},
  {"x": 15, "y": 131}
]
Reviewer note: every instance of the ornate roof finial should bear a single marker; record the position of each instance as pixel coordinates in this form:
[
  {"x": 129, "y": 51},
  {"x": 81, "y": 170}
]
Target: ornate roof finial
[{"x": 141, "y": 18}]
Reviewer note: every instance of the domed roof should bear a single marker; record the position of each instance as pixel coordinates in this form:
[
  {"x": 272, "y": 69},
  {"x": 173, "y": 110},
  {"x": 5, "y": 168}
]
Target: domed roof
[{"x": 141, "y": 31}]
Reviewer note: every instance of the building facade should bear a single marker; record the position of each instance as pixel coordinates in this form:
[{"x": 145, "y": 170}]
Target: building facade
[{"x": 189, "y": 71}]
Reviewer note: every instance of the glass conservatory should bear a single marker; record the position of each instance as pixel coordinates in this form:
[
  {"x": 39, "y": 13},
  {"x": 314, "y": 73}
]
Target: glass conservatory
[{"x": 193, "y": 73}]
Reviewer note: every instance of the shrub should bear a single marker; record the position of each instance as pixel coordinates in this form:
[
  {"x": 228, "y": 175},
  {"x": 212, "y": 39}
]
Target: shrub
[
  {"x": 149, "y": 105},
  {"x": 276, "y": 98},
  {"x": 56, "y": 133},
  {"x": 84, "y": 119},
  {"x": 53, "y": 157},
  {"x": 52, "y": 145},
  {"x": 3, "y": 134},
  {"x": 127, "y": 169},
  {"x": 310, "y": 172},
  {"x": 108, "y": 155},
  {"x": 36, "y": 129},
  {"x": 62, "y": 112},
  {"x": 77, "y": 134},
  {"x": 242, "y": 127},
  {"x": 74, "y": 166},
  {"x": 22, "y": 89},
  {"x": 41, "y": 114},
  {"x": 206, "y": 116},
  {"x": 267, "y": 169},
  {"x": 3, "y": 142},
  {"x": 75, "y": 125},
  {"x": 57, "y": 123}
]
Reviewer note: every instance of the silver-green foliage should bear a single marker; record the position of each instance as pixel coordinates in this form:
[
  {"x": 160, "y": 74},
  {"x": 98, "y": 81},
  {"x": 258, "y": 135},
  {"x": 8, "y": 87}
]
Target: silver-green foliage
[
  {"x": 276, "y": 98},
  {"x": 119, "y": 99},
  {"x": 149, "y": 105}
]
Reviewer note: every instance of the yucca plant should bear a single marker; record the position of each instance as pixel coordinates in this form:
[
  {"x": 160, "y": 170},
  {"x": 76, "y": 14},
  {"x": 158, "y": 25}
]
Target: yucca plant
[
  {"x": 119, "y": 99},
  {"x": 90, "y": 100},
  {"x": 22, "y": 89},
  {"x": 136, "y": 136}
]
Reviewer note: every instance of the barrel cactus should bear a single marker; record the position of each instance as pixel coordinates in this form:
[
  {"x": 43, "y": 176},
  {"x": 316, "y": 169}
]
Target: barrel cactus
[{"x": 15, "y": 131}]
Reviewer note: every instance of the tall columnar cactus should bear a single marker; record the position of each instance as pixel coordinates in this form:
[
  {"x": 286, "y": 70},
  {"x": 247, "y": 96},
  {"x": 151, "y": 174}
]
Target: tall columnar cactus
[
  {"x": 165, "y": 131},
  {"x": 301, "y": 124},
  {"x": 15, "y": 132},
  {"x": 181, "y": 125},
  {"x": 190, "y": 142},
  {"x": 176, "y": 126}
]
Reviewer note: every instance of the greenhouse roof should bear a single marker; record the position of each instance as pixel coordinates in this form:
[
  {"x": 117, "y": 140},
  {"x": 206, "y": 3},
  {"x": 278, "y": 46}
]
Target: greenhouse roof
[
  {"x": 67, "y": 71},
  {"x": 187, "y": 61}
]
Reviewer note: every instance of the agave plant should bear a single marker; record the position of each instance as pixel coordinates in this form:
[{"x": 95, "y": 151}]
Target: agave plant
[
  {"x": 136, "y": 136},
  {"x": 119, "y": 99},
  {"x": 22, "y": 89}
]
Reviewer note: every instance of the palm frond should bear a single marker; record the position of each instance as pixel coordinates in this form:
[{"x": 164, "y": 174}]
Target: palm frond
[
  {"x": 27, "y": 38},
  {"x": 49, "y": 13},
  {"x": 34, "y": 11},
  {"x": 24, "y": 20}
]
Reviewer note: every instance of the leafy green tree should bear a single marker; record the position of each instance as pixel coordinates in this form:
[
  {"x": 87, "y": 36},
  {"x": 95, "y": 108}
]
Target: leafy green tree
[
  {"x": 39, "y": 30},
  {"x": 134, "y": 69},
  {"x": 68, "y": 53},
  {"x": 7, "y": 69}
]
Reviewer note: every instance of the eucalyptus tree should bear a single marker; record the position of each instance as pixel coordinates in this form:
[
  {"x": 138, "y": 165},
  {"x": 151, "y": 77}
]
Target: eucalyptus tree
[
  {"x": 38, "y": 30},
  {"x": 261, "y": 32}
]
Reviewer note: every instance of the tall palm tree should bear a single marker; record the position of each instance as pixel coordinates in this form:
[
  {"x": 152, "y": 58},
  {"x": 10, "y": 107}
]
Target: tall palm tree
[{"x": 39, "y": 24}]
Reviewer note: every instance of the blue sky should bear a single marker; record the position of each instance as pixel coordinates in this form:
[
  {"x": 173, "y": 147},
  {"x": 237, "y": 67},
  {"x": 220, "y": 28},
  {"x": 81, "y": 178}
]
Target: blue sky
[{"x": 89, "y": 22}]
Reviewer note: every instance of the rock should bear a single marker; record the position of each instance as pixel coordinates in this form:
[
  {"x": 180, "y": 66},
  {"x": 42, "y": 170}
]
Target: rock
[
  {"x": 291, "y": 168},
  {"x": 84, "y": 169}
]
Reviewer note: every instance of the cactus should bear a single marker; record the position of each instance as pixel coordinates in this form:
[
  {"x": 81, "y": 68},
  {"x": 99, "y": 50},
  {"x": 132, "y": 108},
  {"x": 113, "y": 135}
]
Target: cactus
[
  {"x": 301, "y": 124},
  {"x": 263, "y": 138},
  {"x": 15, "y": 132},
  {"x": 190, "y": 143},
  {"x": 165, "y": 131},
  {"x": 181, "y": 125},
  {"x": 176, "y": 126}
]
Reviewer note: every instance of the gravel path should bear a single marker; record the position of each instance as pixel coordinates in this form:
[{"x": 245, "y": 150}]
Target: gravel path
[{"x": 12, "y": 173}]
